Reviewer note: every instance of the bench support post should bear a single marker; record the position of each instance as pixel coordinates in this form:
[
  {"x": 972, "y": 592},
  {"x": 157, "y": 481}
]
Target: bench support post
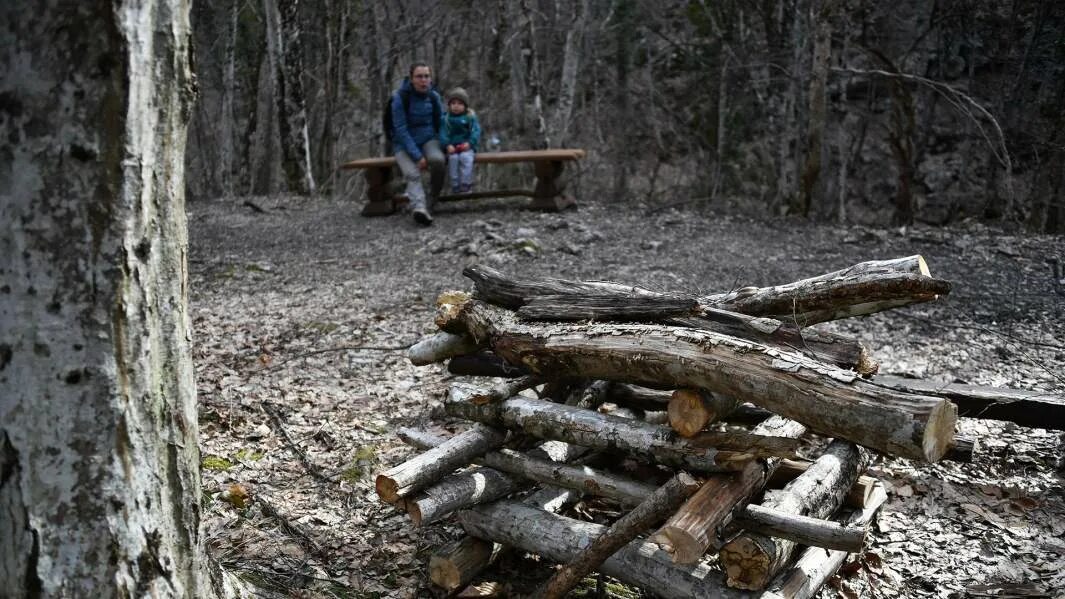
[
  {"x": 379, "y": 196},
  {"x": 548, "y": 194}
]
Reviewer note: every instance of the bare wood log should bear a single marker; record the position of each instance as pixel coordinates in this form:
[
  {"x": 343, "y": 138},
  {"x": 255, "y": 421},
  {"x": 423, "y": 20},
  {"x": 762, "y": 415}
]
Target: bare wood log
[
  {"x": 864, "y": 288},
  {"x": 635, "y": 308},
  {"x": 458, "y": 562},
  {"x": 693, "y": 529},
  {"x": 548, "y": 420},
  {"x": 1035, "y": 409},
  {"x": 506, "y": 390},
  {"x": 439, "y": 347},
  {"x": 479, "y": 485},
  {"x": 454, "y": 565},
  {"x": 484, "y": 364},
  {"x": 690, "y": 410},
  {"x": 581, "y": 478},
  {"x": 804, "y": 530},
  {"x": 558, "y": 539},
  {"x": 857, "y": 497},
  {"x": 751, "y": 560},
  {"x": 830, "y": 400},
  {"x": 513, "y": 293},
  {"x": 656, "y": 506},
  {"x": 425, "y": 468},
  {"x": 816, "y": 565},
  {"x": 831, "y": 348}
]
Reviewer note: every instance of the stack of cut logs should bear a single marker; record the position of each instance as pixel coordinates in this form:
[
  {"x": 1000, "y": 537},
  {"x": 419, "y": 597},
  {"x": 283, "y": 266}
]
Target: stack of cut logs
[{"x": 684, "y": 412}]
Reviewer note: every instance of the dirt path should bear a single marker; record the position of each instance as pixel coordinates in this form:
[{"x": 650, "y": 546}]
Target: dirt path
[{"x": 300, "y": 313}]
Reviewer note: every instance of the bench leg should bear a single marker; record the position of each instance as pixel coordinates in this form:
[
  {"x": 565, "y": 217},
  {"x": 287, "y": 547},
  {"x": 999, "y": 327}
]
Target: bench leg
[
  {"x": 548, "y": 194},
  {"x": 379, "y": 198}
]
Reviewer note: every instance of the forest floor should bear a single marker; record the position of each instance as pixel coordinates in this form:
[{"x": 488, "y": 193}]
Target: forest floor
[{"x": 301, "y": 313}]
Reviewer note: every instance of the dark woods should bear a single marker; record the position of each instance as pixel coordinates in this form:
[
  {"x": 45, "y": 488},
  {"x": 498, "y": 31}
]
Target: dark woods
[{"x": 848, "y": 110}]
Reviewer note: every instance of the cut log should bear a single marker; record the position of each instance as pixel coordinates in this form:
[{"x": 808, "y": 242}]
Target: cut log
[
  {"x": 558, "y": 539},
  {"x": 864, "y": 288},
  {"x": 430, "y": 466},
  {"x": 484, "y": 364},
  {"x": 1035, "y": 409},
  {"x": 857, "y": 497},
  {"x": 659, "y": 504},
  {"x": 690, "y": 410},
  {"x": 751, "y": 560},
  {"x": 831, "y": 348},
  {"x": 616, "y": 308},
  {"x": 829, "y": 400},
  {"x": 548, "y": 420},
  {"x": 513, "y": 293},
  {"x": 693, "y": 529},
  {"x": 454, "y": 565},
  {"x": 637, "y": 397},
  {"x": 962, "y": 449},
  {"x": 458, "y": 562},
  {"x": 816, "y": 565},
  {"x": 506, "y": 390},
  {"x": 479, "y": 485},
  {"x": 803, "y": 530},
  {"x": 439, "y": 347}
]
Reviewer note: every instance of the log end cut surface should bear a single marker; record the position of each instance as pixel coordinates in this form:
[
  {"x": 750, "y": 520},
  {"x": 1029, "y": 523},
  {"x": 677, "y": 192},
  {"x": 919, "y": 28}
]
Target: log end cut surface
[
  {"x": 939, "y": 432},
  {"x": 746, "y": 563},
  {"x": 387, "y": 489}
]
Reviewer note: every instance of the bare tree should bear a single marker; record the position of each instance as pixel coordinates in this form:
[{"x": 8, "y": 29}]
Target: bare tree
[{"x": 99, "y": 473}]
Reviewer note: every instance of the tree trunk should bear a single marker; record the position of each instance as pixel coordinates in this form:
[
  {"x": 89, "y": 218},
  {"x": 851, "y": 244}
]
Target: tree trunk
[
  {"x": 559, "y": 539},
  {"x": 812, "y": 183},
  {"x": 292, "y": 110},
  {"x": 694, "y": 528},
  {"x": 99, "y": 479},
  {"x": 832, "y": 401},
  {"x": 571, "y": 62},
  {"x": 426, "y": 468},
  {"x": 751, "y": 560},
  {"x": 586, "y": 428},
  {"x": 264, "y": 153},
  {"x": 658, "y": 504}
]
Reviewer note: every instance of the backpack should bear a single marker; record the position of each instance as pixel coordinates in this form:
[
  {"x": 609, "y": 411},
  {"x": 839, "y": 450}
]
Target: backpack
[{"x": 404, "y": 95}]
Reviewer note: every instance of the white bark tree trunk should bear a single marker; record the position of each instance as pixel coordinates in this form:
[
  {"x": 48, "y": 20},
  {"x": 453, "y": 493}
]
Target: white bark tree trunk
[{"x": 99, "y": 479}]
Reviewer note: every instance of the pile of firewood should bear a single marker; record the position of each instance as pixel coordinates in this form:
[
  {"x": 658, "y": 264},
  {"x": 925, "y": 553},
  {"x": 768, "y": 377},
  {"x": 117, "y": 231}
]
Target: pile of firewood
[{"x": 685, "y": 412}]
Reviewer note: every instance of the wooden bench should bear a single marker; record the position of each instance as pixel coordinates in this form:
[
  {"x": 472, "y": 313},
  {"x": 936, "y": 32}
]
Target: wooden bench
[{"x": 547, "y": 195}]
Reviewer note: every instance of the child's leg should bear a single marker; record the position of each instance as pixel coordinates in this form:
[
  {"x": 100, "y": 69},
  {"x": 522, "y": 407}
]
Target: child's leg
[
  {"x": 466, "y": 176},
  {"x": 453, "y": 172}
]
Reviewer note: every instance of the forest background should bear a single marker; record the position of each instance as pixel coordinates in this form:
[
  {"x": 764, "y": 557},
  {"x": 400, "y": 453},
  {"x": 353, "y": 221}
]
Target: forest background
[{"x": 846, "y": 110}]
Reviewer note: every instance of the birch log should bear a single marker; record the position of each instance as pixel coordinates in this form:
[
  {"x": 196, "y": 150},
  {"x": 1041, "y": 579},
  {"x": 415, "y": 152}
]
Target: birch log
[
  {"x": 864, "y": 288},
  {"x": 430, "y": 466},
  {"x": 439, "y": 347},
  {"x": 816, "y": 565},
  {"x": 559, "y": 539},
  {"x": 829, "y": 400},
  {"x": 480, "y": 485},
  {"x": 751, "y": 560},
  {"x": 656, "y": 506},
  {"x": 548, "y": 420},
  {"x": 693, "y": 529},
  {"x": 857, "y": 497}
]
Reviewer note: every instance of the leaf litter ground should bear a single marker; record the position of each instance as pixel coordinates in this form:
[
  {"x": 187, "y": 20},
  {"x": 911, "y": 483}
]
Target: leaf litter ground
[{"x": 301, "y": 314}]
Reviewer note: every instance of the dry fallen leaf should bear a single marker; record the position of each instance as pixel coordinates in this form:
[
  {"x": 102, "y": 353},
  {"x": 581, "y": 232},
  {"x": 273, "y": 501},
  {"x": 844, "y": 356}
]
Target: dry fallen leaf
[{"x": 237, "y": 495}]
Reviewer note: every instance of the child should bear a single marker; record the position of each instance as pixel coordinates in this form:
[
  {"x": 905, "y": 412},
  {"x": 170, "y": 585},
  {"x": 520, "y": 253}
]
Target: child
[{"x": 459, "y": 134}]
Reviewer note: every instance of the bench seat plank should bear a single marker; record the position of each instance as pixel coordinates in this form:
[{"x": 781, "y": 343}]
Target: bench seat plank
[{"x": 485, "y": 157}]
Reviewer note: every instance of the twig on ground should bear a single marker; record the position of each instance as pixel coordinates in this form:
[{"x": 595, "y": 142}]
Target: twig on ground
[{"x": 313, "y": 469}]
